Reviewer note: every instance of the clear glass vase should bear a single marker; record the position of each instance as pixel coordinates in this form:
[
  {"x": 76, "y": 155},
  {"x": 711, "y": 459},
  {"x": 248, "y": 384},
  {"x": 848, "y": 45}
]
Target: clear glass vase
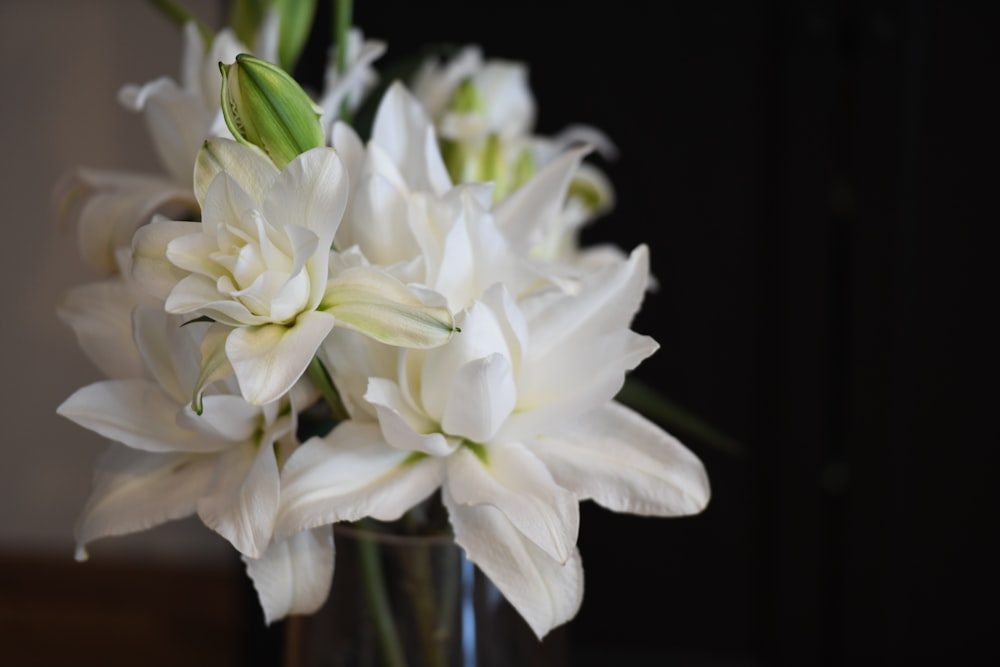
[{"x": 413, "y": 601}]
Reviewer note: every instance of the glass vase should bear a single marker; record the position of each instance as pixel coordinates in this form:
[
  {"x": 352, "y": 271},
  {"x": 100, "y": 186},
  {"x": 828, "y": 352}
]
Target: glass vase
[{"x": 413, "y": 601}]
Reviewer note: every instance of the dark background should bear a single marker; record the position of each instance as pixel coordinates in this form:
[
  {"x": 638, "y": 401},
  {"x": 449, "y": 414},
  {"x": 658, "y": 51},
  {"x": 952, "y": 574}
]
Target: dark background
[{"x": 816, "y": 181}]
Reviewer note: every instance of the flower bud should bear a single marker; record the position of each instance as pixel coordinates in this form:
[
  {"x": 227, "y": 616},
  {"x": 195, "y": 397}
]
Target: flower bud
[
  {"x": 474, "y": 149},
  {"x": 265, "y": 107}
]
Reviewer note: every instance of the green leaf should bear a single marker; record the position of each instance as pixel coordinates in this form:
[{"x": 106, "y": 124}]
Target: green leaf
[
  {"x": 296, "y": 22},
  {"x": 649, "y": 402},
  {"x": 245, "y": 17}
]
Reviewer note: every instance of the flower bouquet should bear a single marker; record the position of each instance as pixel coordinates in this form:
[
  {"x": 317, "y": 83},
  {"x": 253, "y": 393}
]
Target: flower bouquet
[{"x": 365, "y": 307}]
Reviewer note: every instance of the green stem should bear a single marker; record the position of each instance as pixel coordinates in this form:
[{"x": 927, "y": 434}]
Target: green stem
[
  {"x": 385, "y": 625},
  {"x": 317, "y": 372},
  {"x": 425, "y": 604},
  {"x": 341, "y": 26}
]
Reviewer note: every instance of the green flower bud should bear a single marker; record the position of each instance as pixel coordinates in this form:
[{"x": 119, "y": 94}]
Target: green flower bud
[
  {"x": 467, "y": 98},
  {"x": 265, "y": 107},
  {"x": 491, "y": 158}
]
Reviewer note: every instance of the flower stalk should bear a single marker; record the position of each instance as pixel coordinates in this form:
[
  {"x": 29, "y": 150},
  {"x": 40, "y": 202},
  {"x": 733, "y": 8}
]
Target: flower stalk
[
  {"x": 317, "y": 373},
  {"x": 385, "y": 625},
  {"x": 342, "y": 17}
]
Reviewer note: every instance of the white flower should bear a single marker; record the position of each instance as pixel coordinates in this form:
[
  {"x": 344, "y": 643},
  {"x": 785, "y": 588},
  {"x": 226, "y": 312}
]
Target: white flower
[
  {"x": 180, "y": 116},
  {"x": 400, "y": 159},
  {"x": 357, "y": 80},
  {"x": 404, "y": 212},
  {"x": 484, "y": 111},
  {"x": 233, "y": 273},
  {"x": 100, "y": 315},
  {"x": 106, "y": 207},
  {"x": 294, "y": 575},
  {"x": 166, "y": 462},
  {"x": 436, "y": 81},
  {"x": 259, "y": 264},
  {"x": 221, "y": 463},
  {"x": 515, "y": 421},
  {"x": 499, "y": 102}
]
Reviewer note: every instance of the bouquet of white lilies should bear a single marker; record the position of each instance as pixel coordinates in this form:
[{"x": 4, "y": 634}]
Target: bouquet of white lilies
[{"x": 303, "y": 321}]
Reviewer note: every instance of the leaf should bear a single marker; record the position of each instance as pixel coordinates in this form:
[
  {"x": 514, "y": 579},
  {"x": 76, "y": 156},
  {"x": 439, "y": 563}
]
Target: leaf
[
  {"x": 648, "y": 401},
  {"x": 296, "y": 23}
]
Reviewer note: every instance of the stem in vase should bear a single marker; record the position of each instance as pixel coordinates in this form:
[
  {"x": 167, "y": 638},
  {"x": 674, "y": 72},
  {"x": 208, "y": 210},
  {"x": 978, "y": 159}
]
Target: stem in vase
[{"x": 385, "y": 625}]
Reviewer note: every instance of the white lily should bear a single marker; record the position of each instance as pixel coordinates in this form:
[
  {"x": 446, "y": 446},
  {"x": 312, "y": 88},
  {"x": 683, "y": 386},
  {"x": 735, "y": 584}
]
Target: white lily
[
  {"x": 515, "y": 422},
  {"x": 470, "y": 97},
  {"x": 100, "y": 315},
  {"x": 484, "y": 112},
  {"x": 180, "y": 116},
  {"x": 352, "y": 85},
  {"x": 106, "y": 207},
  {"x": 222, "y": 463},
  {"x": 259, "y": 264},
  {"x": 166, "y": 462},
  {"x": 400, "y": 159},
  {"x": 294, "y": 575},
  {"x": 404, "y": 212}
]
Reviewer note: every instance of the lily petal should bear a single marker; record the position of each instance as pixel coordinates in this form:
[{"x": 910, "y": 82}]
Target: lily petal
[
  {"x": 100, "y": 315},
  {"x": 312, "y": 191},
  {"x": 227, "y": 203},
  {"x": 483, "y": 336},
  {"x": 268, "y": 359},
  {"x": 151, "y": 269},
  {"x": 517, "y": 483},
  {"x": 348, "y": 475},
  {"x": 243, "y": 499},
  {"x": 481, "y": 396},
  {"x": 524, "y": 213},
  {"x": 197, "y": 293},
  {"x": 610, "y": 299},
  {"x": 137, "y": 413},
  {"x": 249, "y": 167},
  {"x": 626, "y": 463},
  {"x": 372, "y": 302},
  {"x": 134, "y": 491},
  {"x": 178, "y": 123},
  {"x": 225, "y": 416},
  {"x": 169, "y": 352},
  {"x": 215, "y": 364},
  {"x": 192, "y": 252},
  {"x": 294, "y": 575},
  {"x": 107, "y": 207},
  {"x": 546, "y": 592},
  {"x": 572, "y": 380},
  {"x": 403, "y": 427},
  {"x": 403, "y": 129}
]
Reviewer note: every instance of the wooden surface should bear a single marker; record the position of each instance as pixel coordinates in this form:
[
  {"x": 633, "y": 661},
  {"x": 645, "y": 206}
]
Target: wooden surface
[{"x": 103, "y": 614}]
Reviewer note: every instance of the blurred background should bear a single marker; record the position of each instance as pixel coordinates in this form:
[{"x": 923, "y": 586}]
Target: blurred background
[{"x": 817, "y": 184}]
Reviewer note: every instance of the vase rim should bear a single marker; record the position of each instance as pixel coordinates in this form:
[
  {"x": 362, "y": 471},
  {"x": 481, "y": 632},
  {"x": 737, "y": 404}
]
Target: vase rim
[{"x": 397, "y": 539}]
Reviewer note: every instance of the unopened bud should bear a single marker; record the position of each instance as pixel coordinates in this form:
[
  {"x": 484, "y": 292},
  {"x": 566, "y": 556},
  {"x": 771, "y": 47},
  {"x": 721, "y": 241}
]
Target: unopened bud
[{"x": 265, "y": 107}]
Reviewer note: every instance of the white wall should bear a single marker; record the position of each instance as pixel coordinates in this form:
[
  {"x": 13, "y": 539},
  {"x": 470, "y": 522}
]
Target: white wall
[{"x": 61, "y": 65}]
